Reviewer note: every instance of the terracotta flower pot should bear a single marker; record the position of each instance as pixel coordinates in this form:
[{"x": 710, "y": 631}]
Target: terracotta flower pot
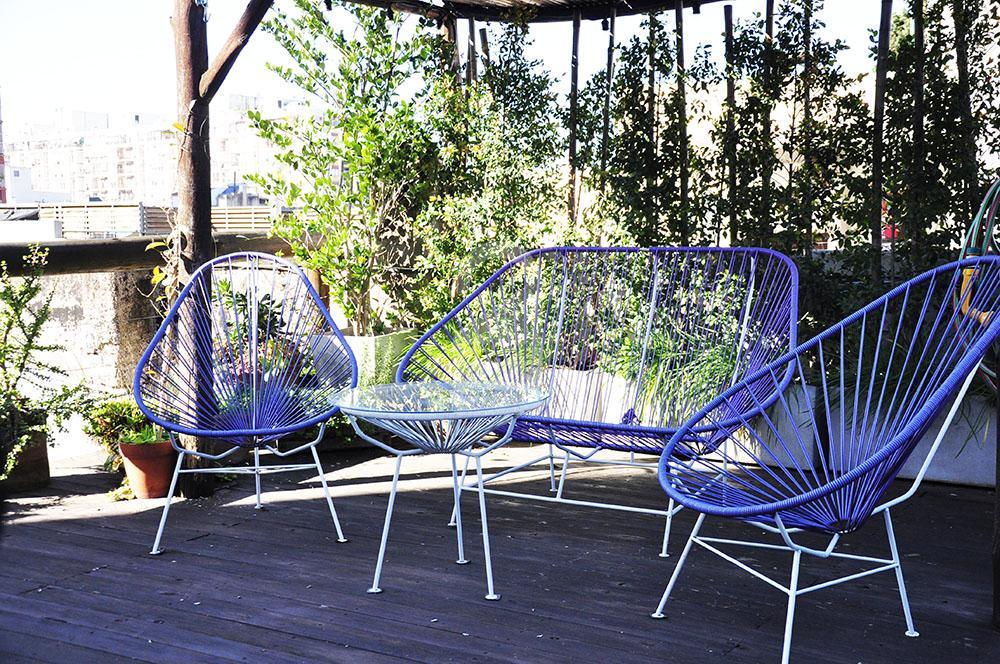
[{"x": 149, "y": 468}]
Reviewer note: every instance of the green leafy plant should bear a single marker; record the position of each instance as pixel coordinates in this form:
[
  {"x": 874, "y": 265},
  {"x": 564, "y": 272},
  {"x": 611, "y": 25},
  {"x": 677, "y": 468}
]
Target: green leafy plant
[
  {"x": 115, "y": 421},
  {"x": 31, "y": 401}
]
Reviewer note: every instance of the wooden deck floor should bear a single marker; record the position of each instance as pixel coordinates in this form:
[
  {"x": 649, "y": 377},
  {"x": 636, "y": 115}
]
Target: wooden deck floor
[{"x": 76, "y": 583}]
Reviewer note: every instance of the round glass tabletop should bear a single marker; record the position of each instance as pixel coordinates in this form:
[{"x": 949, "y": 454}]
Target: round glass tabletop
[{"x": 439, "y": 400}]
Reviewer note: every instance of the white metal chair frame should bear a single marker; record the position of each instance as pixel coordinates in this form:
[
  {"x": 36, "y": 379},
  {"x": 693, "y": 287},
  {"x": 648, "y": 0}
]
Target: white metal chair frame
[{"x": 256, "y": 470}]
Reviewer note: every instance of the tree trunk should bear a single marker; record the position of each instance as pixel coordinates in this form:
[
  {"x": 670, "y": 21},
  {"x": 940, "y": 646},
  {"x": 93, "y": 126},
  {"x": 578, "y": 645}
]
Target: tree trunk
[
  {"x": 652, "y": 200},
  {"x": 805, "y": 197},
  {"x": 194, "y": 192},
  {"x": 574, "y": 72},
  {"x": 915, "y": 212},
  {"x": 608, "y": 81},
  {"x": 734, "y": 235},
  {"x": 765, "y": 224},
  {"x": 683, "y": 157},
  {"x": 875, "y": 209},
  {"x": 961, "y": 15}
]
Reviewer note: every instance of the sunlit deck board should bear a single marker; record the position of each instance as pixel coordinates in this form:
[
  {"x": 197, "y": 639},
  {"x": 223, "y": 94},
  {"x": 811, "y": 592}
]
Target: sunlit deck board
[{"x": 236, "y": 584}]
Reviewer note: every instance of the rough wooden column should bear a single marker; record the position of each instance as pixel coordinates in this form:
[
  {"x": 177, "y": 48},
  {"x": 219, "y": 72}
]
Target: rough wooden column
[
  {"x": 875, "y": 204},
  {"x": 197, "y": 83},
  {"x": 734, "y": 234},
  {"x": 682, "y": 121},
  {"x": 574, "y": 74}
]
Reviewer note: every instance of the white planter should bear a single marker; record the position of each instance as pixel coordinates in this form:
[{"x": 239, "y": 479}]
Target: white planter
[
  {"x": 378, "y": 356},
  {"x": 968, "y": 453},
  {"x": 797, "y": 417},
  {"x": 576, "y": 395}
]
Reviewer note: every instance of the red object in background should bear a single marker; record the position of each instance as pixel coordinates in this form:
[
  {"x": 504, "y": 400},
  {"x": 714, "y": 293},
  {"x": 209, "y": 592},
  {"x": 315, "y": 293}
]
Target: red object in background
[{"x": 891, "y": 233}]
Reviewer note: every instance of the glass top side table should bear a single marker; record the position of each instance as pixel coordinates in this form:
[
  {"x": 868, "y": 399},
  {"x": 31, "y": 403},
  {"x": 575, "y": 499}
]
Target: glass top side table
[{"x": 441, "y": 418}]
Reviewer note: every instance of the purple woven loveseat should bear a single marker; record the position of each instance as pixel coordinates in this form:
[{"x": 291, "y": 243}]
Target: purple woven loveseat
[{"x": 630, "y": 342}]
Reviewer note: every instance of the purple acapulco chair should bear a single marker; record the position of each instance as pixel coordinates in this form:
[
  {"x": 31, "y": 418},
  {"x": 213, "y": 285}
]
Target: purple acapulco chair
[
  {"x": 629, "y": 342},
  {"x": 246, "y": 355},
  {"x": 822, "y": 458}
]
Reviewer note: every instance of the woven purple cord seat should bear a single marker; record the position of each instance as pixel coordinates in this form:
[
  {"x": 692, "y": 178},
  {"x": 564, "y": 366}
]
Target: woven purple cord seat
[
  {"x": 246, "y": 355},
  {"x": 631, "y": 342},
  {"x": 822, "y": 457}
]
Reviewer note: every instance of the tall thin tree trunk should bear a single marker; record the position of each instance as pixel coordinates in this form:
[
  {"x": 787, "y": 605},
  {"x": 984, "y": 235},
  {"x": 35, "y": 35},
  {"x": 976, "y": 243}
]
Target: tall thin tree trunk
[
  {"x": 683, "y": 156},
  {"x": 764, "y": 224},
  {"x": 963, "y": 20},
  {"x": 574, "y": 74},
  {"x": 652, "y": 203},
  {"x": 806, "y": 195},
  {"x": 878, "y": 149},
  {"x": 915, "y": 209},
  {"x": 194, "y": 196},
  {"x": 608, "y": 81},
  {"x": 730, "y": 141}
]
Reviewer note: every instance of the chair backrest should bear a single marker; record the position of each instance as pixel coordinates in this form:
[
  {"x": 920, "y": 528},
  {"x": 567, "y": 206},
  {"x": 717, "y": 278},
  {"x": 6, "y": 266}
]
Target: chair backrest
[
  {"x": 247, "y": 351},
  {"x": 620, "y": 336},
  {"x": 865, "y": 392}
]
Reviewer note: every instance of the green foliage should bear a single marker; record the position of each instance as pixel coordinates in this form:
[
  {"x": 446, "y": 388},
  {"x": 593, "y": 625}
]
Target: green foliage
[
  {"x": 29, "y": 400},
  {"x": 408, "y": 186}
]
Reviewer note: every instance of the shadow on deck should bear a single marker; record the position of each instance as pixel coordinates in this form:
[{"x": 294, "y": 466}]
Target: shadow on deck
[{"x": 76, "y": 583}]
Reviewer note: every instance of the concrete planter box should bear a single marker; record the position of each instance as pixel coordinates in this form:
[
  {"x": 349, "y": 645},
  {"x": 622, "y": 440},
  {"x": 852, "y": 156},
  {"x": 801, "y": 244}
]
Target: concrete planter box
[
  {"x": 968, "y": 453},
  {"x": 378, "y": 356},
  {"x": 32, "y": 469},
  {"x": 800, "y": 405}
]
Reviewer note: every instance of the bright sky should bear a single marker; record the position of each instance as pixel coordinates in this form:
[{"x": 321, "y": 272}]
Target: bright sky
[{"x": 117, "y": 55}]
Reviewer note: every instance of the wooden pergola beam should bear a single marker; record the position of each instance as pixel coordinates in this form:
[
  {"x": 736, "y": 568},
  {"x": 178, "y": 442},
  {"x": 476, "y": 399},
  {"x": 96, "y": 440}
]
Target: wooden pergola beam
[{"x": 120, "y": 254}]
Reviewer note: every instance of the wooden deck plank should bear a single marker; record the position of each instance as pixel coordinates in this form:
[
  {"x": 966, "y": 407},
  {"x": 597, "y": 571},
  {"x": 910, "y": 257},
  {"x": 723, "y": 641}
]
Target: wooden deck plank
[{"x": 577, "y": 582}]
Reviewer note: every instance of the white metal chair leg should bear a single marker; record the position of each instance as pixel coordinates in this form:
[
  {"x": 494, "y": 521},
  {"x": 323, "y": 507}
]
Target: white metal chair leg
[
  {"x": 385, "y": 527},
  {"x": 910, "y": 630},
  {"x": 666, "y": 529},
  {"x": 552, "y": 470},
  {"x": 457, "y": 511},
  {"x": 156, "y": 550},
  {"x": 454, "y": 509},
  {"x": 486, "y": 533},
  {"x": 326, "y": 492},
  {"x": 562, "y": 476},
  {"x": 256, "y": 476},
  {"x": 793, "y": 587},
  {"x": 677, "y": 570}
]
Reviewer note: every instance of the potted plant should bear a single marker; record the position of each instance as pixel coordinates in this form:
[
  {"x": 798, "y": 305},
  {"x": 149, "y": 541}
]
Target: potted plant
[
  {"x": 31, "y": 399},
  {"x": 134, "y": 444}
]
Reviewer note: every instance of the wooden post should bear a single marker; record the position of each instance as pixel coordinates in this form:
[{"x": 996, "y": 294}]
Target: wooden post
[
  {"x": 875, "y": 209},
  {"x": 915, "y": 212},
  {"x": 682, "y": 121},
  {"x": 734, "y": 236},
  {"x": 472, "y": 57},
  {"x": 765, "y": 226},
  {"x": 609, "y": 79},
  {"x": 574, "y": 73}
]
